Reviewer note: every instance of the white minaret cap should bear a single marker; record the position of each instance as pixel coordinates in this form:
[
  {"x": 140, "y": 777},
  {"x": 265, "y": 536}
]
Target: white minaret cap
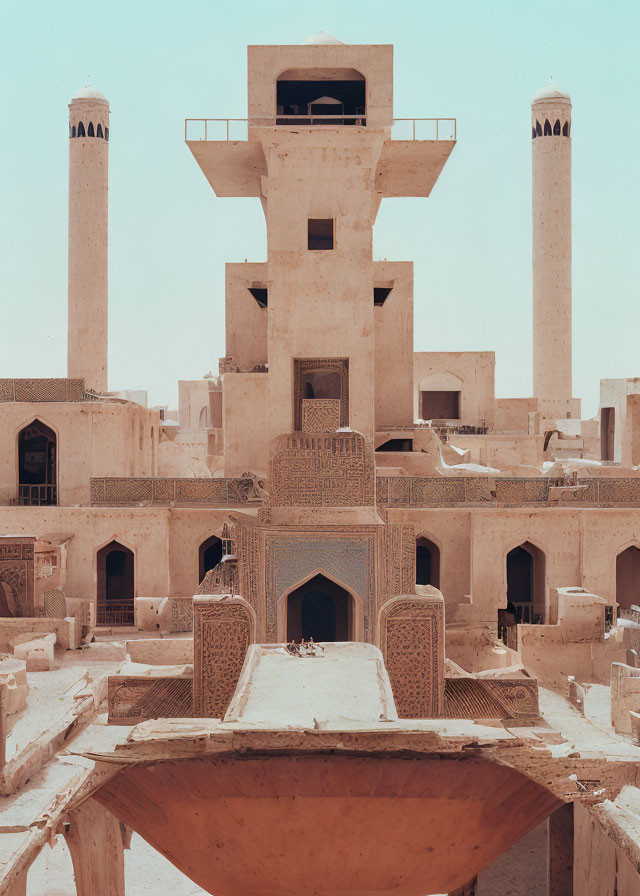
[
  {"x": 551, "y": 92},
  {"x": 89, "y": 93},
  {"x": 322, "y": 38}
]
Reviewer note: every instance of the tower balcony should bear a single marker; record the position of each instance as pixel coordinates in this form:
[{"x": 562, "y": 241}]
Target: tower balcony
[{"x": 413, "y": 153}]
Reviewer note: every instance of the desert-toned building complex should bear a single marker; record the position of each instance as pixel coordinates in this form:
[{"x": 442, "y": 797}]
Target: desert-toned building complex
[{"x": 343, "y": 622}]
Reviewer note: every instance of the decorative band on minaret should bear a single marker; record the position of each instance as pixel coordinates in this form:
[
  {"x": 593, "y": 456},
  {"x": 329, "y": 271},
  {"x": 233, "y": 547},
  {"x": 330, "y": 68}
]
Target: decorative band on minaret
[
  {"x": 551, "y": 157},
  {"x": 88, "y": 214}
]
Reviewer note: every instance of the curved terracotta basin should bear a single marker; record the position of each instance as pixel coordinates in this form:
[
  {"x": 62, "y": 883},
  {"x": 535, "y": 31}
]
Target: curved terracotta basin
[{"x": 328, "y": 824}]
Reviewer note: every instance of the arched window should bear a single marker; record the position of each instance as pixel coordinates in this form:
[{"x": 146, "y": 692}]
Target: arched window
[
  {"x": 628, "y": 578},
  {"x": 533, "y": 133},
  {"x": 80, "y": 129},
  {"x": 547, "y": 128},
  {"x": 427, "y": 562},
  {"x": 526, "y": 583},
  {"x": 99, "y": 131},
  {"x": 115, "y": 585},
  {"x": 209, "y": 555},
  {"x": 320, "y": 609},
  {"x": 90, "y": 131},
  {"x": 106, "y": 134},
  {"x": 565, "y": 129},
  {"x": 37, "y": 465},
  {"x": 538, "y": 129},
  {"x": 203, "y": 419},
  {"x": 556, "y": 128}
]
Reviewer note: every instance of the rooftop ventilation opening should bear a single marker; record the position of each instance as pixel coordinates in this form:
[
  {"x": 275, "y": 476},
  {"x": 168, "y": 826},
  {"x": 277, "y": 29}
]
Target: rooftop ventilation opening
[
  {"x": 396, "y": 445},
  {"x": 381, "y": 294},
  {"x": 260, "y": 294}
]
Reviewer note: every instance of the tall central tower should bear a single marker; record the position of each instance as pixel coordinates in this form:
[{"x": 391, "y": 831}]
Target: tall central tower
[
  {"x": 88, "y": 216},
  {"x": 551, "y": 158},
  {"x": 320, "y": 336}
]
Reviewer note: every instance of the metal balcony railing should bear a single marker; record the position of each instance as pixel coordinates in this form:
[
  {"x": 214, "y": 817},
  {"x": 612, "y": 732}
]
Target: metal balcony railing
[
  {"x": 35, "y": 496},
  {"x": 115, "y": 612},
  {"x": 199, "y": 129}
]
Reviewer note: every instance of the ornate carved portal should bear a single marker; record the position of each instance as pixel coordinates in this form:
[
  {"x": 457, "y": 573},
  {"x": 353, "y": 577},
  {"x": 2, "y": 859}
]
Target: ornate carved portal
[
  {"x": 373, "y": 562},
  {"x": 317, "y": 379}
]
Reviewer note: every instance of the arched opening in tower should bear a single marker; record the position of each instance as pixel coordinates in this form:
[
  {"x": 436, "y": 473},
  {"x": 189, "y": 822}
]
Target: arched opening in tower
[
  {"x": 628, "y": 578},
  {"x": 526, "y": 583},
  {"x": 209, "y": 555},
  {"x": 321, "y": 96},
  {"x": 115, "y": 585},
  {"x": 37, "y": 465},
  {"x": 607, "y": 433},
  {"x": 321, "y": 387},
  {"x": 427, "y": 562},
  {"x": 203, "y": 419},
  {"x": 320, "y": 609}
]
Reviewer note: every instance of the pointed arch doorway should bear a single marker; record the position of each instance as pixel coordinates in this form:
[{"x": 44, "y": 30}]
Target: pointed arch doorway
[
  {"x": 37, "y": 465},
  {"x": 116, "y": 585},
  {"x": 320, "y": 609}
]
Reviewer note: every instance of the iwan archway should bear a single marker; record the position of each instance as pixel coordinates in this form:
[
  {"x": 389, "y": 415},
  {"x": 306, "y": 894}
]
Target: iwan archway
[{"x": 320, "y": 609}]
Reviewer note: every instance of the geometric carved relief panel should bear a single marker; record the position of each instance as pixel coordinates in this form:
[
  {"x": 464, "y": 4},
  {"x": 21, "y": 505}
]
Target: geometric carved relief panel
[
  {"x": 320, "y": 414},
  {"x": 223, "y": 629},
  {"x": 322, "y": 470},
  {"x": 412, "y": 643},
  {"x": 135, "y": 699},
  {"x": 474, "y": 698}
]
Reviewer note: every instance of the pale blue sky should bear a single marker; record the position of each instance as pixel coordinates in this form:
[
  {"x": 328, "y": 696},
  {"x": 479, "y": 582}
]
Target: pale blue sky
[{"x": 170, "y": 236}]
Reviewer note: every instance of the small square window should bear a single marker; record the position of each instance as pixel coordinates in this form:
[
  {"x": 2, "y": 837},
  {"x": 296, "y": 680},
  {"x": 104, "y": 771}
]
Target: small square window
[{"x": 320, "y": 233}]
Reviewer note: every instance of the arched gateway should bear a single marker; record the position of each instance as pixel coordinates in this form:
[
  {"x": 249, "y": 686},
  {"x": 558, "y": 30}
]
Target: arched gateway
[{"x": 320, "y": 609}]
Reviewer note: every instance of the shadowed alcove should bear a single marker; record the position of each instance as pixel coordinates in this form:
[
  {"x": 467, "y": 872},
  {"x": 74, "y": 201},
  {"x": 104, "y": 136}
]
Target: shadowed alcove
[
  {"x": 526, "y": 576},
  {"x": 628, "y": 578},
  {"x": 115, "y": 585},
  {"x": 209, "y": 555},
  {"x": 7, "y": 602},
  {"x": 37, "y": 463},
  {"x": 320, "y": 609},
  {"x": 427, "y": 562}
]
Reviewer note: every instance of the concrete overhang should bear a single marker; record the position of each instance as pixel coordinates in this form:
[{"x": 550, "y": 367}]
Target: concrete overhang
[
  {"x": 232, "y": 167},
  {"x": 411, "y": 167}
]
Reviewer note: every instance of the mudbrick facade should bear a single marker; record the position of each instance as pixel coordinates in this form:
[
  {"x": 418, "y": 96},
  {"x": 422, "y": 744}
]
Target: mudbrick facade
[{"x": 344, "y": 621}]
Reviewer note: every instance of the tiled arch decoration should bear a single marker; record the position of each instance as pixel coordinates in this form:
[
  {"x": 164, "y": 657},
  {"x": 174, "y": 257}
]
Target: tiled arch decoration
[{"x": 411, "y": 631}]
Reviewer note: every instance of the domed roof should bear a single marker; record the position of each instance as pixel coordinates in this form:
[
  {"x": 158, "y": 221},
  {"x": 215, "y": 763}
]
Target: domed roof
[
  {"x": 321, "y": 38},
  {"x": 551, "y": 92},
  {"x": 88, "y": 93}
]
